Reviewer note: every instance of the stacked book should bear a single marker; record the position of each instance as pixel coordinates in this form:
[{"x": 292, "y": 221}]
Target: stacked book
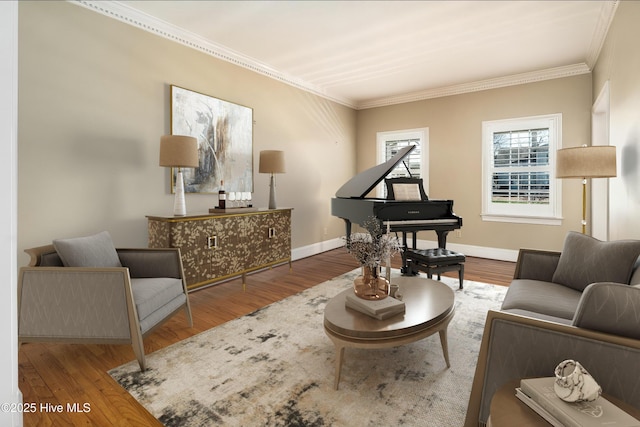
[
  {"x": 539, "y": 395},
  {"x": 380, "y": 309}
]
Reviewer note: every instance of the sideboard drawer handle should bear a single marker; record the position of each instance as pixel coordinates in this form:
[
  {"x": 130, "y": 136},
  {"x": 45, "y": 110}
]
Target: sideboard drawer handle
[
  {"x": 272, "y": 232},
  {"x": 212, "y": 242}
]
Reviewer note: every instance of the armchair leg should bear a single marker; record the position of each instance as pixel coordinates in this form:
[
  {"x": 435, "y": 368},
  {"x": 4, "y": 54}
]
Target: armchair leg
[
  {"x": 187, "y": 306},
  {"x": 138, "y": 349},
  {"x": 187, "y": 311}
]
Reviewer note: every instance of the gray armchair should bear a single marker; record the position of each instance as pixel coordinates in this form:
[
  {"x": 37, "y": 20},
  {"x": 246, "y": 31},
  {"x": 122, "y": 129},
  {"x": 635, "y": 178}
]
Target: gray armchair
[
  {"x": 515, "y": 347},
  {"x": 101, "y": 305}
]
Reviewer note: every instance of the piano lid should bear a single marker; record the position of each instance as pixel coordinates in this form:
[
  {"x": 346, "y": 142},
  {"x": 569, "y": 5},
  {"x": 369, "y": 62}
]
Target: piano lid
[{"x": 361, "y": 184}]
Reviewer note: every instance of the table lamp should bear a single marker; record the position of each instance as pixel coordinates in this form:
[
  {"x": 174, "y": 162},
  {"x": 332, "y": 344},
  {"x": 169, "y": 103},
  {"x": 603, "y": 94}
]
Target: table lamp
[
  {"x": 596, "y": 161},
  {"x": 178, "y": 151},
  {"x": 272, "y": 161}
]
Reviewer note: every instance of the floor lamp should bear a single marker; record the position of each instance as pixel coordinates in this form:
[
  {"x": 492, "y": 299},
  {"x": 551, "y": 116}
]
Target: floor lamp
[
  {"x": 179, "y": 151},
  {"x": 596, "y": 161},
  {"x": 272, "y": 162}
]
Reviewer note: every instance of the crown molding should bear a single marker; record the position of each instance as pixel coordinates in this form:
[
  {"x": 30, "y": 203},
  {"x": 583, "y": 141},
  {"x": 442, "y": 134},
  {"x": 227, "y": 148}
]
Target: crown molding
[
  {"x": 607, "y": 13},
  {"x": 513, "y": 80},
  {"x": 131, "y": 16},
  {"x": 128, "y": 15}
]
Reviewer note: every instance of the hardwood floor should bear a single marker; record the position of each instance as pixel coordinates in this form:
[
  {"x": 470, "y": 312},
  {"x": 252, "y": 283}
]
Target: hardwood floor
[{"x": 67, "y": 374}]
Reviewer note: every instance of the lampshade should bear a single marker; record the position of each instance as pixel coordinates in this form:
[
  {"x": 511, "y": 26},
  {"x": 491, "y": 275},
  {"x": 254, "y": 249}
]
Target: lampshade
[
  {"x": 596, "y": 161},
  {"x": 179, "y": 151},
  {"x": 271, "y": 161}
]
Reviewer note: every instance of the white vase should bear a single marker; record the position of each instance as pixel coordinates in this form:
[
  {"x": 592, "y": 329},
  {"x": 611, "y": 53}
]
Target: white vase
[{"x": 574, "y": 384}]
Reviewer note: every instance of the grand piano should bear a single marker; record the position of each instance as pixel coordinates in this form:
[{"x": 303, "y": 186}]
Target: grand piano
[{"x": 407, "y": 208}]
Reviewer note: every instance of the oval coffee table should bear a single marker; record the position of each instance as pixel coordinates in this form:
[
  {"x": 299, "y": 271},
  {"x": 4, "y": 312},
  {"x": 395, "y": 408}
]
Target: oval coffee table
[{"x": 429, "y": 306}]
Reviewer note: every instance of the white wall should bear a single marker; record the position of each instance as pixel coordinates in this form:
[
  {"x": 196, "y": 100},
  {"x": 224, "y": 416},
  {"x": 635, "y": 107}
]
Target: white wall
[
  {"x": 619, "y": 63},
  {"x": 9, "y": 392}
]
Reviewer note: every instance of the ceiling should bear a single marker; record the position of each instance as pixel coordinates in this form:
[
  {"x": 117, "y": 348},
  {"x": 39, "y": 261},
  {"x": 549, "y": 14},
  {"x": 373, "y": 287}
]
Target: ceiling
[{"x": 370, "y": 53}]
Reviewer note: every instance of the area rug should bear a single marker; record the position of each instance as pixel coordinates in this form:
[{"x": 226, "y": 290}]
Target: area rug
[{"x": 275, "y": 367}]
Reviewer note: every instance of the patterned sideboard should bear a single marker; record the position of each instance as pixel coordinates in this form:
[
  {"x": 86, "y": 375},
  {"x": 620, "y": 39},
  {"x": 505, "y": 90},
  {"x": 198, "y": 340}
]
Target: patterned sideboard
[{"x": 216, "y": 247}]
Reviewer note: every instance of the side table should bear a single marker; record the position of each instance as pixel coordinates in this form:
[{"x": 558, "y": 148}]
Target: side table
[{"x": 507, "y": 410}]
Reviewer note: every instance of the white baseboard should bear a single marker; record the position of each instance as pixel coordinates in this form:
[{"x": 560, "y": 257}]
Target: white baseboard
[
  {"x": 475, "y": 251},
  {"x": 316, "y": 248},
  {"x": 469, "y": 250}
]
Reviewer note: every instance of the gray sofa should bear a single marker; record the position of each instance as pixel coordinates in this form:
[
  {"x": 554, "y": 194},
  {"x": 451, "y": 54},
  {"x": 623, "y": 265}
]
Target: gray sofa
[
  {"x": 582, "y": 303},
  {"x": 551, "y": 285}
]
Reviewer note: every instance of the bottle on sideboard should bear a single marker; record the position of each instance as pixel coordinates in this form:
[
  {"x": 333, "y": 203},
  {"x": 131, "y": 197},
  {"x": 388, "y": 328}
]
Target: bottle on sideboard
[{"x": 222, "y": 196}]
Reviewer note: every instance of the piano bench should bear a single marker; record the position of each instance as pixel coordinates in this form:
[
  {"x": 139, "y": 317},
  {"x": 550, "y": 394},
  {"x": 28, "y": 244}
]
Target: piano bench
[{"x": 435, "y": 261}]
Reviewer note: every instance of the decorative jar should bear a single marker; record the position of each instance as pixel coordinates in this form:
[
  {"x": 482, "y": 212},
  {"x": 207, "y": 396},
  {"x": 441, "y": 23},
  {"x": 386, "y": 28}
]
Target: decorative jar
[
  {"x": 574, "y": 384},
  {"x": 370, "y": 285}
]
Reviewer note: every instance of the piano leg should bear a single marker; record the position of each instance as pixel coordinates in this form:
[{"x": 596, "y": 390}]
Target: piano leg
[
  {"x": 442, "y": 238},
  {"x": 406, "y": 269},
  {"x": 347, "y": 225}
]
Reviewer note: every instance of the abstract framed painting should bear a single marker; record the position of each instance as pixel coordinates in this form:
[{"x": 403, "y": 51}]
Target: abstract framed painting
[{"x": 224, "y": 131}]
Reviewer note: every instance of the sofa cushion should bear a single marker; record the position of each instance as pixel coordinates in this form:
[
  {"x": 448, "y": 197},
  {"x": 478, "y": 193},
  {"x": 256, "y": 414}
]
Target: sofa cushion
[
  {"x": 151, "y": 294},
  {"x": 546, "y": 298},
  {"x": 585, "y": 260},
  {"x": 89, "y": 251}
]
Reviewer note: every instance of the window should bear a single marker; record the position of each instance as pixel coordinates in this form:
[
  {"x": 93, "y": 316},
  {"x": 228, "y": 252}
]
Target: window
[
  {"x": 417, "y": 161},
  {"x": 518, "y": 182}
]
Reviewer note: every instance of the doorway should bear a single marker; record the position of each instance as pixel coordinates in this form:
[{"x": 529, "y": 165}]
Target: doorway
[{"x": 600, "y": 187}]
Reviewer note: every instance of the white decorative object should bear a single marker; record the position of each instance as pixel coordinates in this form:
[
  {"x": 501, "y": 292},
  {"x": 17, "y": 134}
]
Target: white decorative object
[
  {"x": 574, "y": 384},
  {"x": 394, "y": 290},
  {"x": 179, "y": 151},
  {"x": 179, "y": 204}
]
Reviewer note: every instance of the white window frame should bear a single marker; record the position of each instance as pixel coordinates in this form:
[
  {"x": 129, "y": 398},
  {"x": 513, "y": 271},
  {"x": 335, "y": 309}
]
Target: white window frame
[
  {"x": 422, "y": 135},
  {"x": 550, "y": 214}
]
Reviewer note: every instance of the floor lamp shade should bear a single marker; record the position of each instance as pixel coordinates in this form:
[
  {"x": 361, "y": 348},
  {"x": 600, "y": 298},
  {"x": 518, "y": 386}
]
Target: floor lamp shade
[
  {"x": 179, "y": 151},
  {"x": 272, "y": 161},
  {"x": 596, "y": 161}
]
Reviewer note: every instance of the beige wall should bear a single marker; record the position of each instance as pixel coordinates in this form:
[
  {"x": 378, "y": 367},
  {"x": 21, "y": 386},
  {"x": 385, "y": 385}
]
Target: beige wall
[
  {"x": 455, "y": 139},
  {"x": 619, "y": 63},
  {"x": 94, "y": 101}
]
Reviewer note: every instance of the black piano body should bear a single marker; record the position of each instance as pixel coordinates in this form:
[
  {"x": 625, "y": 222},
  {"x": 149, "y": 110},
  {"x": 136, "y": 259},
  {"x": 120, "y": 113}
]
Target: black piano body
[
  {"x": 404, "y": 216},
  {"x": 400, "y": 216}
]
